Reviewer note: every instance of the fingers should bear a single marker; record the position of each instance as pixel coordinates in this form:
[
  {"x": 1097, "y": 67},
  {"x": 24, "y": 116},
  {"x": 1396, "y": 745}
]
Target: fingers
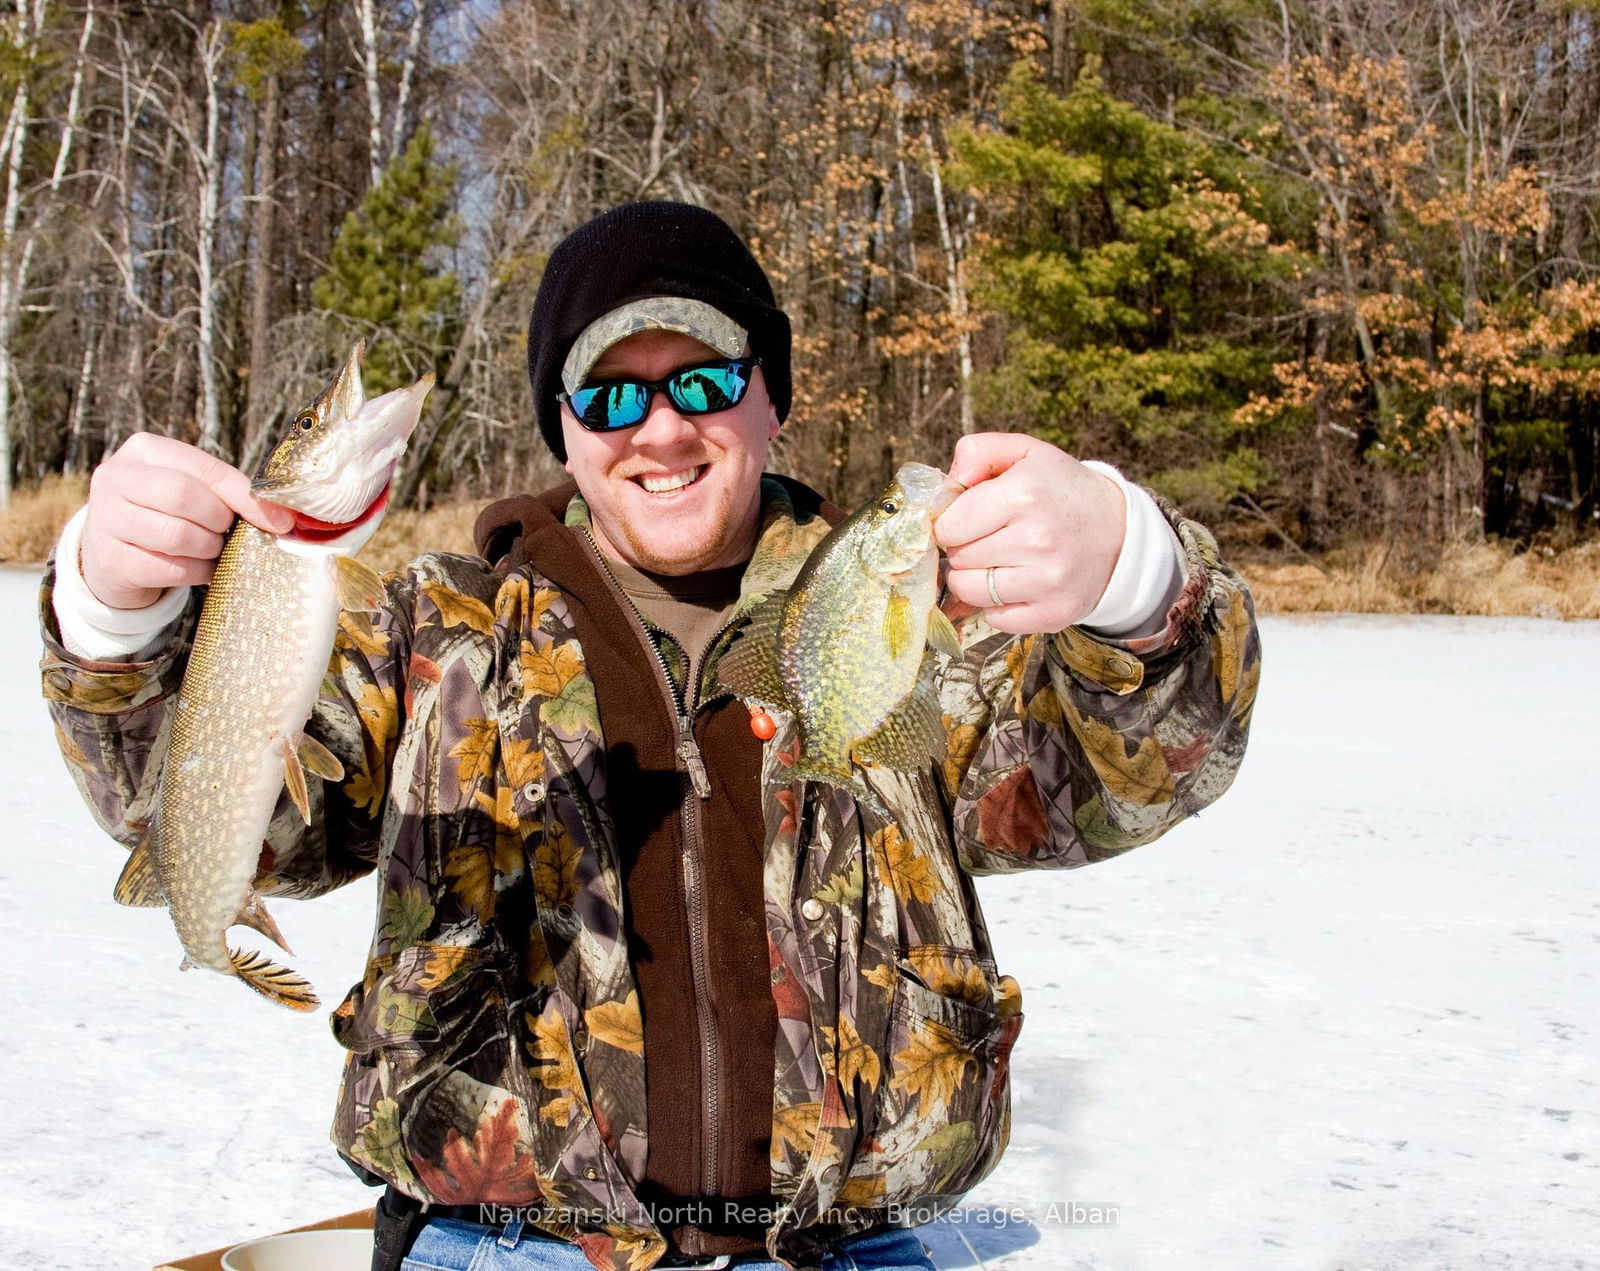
[
  {"x": 1050, "y": 529},
  {"x": 158, "y": 515},
  {"x": 1019, "y": 542},
  {"x": 971, "y": 587},
  {"x": 979, "y": 456},
  {"x": 156, "y": 571},
  {"x": 973, "y": 515},
  {"x": 1007, "y": 478},
  {"x": 1014, "y": 584},
  {"x": 168, "y": 535},
  {"x": 147, "y": 457}
]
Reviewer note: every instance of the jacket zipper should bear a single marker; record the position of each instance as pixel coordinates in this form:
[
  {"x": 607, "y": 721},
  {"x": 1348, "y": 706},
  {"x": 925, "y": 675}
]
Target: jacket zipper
[{"x": 688, "y": 751}]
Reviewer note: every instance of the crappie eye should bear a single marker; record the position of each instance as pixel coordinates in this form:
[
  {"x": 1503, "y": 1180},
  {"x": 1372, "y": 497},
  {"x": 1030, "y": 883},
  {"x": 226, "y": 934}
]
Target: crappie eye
[{"x": 888, "y": 507}]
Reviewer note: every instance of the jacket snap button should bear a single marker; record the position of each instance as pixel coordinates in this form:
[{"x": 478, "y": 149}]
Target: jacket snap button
[
  {"x": 813, "y": 909},
  {"x": 591, "y": 1173}
]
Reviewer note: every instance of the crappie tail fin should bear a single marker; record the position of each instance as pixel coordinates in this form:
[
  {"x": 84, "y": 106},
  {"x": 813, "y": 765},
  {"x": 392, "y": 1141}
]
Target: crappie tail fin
[{"x": 275, "y": 983}]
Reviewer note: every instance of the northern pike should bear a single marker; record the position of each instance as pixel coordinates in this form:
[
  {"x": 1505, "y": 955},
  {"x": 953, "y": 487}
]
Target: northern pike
[
  {"x": 261, "y": 650},
  {"x": 845, "y": 649}
]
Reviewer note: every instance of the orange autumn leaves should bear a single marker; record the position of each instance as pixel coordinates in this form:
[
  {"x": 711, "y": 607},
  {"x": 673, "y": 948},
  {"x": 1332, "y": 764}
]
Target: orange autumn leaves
[
  {"x": 902, "y": 868},
  {"x": 555, "y": 672},
  {"x": 492, "y": 1167},
  {"x": 615, "y": 1023},
  {"x": 492, "y": 766}
]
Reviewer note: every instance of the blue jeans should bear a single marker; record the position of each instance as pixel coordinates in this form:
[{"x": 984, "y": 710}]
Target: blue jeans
[{"x": 447, "y": 1245}]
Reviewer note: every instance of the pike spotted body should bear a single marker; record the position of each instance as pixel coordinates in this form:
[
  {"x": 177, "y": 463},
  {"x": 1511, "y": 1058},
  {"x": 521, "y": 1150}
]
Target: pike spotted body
[{"x": 260, "y": 653}]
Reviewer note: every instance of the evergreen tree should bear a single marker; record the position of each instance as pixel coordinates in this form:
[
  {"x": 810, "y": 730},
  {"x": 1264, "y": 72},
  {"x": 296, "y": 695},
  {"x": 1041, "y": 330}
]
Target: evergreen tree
[
  {"x": 1136, "y": 279},
  {"x": 388, "y": 277}
]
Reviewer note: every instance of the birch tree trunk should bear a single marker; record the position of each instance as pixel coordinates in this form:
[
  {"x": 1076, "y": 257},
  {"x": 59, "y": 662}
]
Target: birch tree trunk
[
  {"x": 13, "y": 138},
  {"x": 208, "y": 178},
  {"x": 12, "y": 141},
  {"x": 955, "y": 289},
  {"x": 264, "y": 218},
  {"x": 369, "y": 50},
  {"x": 408, "y": 68}
]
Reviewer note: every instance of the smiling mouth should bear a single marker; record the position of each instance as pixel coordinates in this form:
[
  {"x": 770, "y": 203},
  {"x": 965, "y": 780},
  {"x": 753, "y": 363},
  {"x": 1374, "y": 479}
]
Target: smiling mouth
[{"x": 659, "y": 484}]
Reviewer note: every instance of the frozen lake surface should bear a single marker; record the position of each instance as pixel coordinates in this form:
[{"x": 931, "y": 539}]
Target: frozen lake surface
[{"x": 1345, "y": 1019}]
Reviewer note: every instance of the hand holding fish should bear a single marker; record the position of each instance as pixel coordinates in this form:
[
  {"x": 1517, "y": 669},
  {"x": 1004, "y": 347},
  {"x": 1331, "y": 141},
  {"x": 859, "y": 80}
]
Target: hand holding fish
[
  {"x": 159, "y": 512},
  {"x": 1036, "y": 535}
]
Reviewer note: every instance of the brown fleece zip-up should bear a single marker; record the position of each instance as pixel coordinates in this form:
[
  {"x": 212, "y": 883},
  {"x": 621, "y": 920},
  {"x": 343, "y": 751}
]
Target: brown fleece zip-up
[{"x": 696, "y": 931}]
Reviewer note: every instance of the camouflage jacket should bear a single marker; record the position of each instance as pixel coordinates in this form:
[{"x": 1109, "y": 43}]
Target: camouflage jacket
[{"x": 495, "y": 1041}]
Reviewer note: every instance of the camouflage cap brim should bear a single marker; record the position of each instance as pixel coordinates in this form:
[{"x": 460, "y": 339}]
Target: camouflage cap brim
[{"x": 694, "y": 318}]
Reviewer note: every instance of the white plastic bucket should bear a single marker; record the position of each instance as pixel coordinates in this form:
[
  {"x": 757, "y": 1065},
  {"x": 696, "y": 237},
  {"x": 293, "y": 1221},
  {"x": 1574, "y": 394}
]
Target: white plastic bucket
[{"x": 349, "y": 1249}]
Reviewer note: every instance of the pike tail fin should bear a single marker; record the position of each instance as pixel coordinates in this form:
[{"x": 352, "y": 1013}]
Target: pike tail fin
[{"x": 275, "y": 983}]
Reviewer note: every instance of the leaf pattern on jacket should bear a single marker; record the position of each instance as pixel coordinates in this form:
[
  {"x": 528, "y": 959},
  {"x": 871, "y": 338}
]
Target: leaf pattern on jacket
[
  {"x": 491, "y": 1167},
  {"x": 931, "y": 1067},
  {"x": 901, "y": 867},
  {"x": 617, "y": 1024}
]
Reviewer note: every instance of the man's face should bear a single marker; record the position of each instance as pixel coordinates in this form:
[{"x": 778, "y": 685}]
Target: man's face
[{"x": 707, "y": 516}]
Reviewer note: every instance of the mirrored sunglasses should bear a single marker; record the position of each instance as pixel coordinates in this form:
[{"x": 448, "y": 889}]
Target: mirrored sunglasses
[{"x": 607, "y": 405}]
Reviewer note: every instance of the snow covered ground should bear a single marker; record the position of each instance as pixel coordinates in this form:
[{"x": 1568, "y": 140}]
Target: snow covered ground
[{"x": 1345, "y": 1019}]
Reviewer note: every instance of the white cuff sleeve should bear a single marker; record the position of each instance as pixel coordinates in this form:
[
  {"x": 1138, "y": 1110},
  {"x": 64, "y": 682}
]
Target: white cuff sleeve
[
  {"x": 1149, "y": 573},
  {"x": 96, "y": 631}
]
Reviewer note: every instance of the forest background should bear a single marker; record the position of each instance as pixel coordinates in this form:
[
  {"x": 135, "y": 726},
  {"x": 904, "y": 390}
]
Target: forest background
[{"x": 1324, "y": 272}]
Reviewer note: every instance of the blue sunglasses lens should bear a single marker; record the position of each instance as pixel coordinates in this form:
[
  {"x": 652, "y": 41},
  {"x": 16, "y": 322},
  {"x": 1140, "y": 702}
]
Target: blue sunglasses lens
[
  {"x": 619, "y": 405},
  {"x": 703, "y": 389},
  {"x": 695, "y": 390}
]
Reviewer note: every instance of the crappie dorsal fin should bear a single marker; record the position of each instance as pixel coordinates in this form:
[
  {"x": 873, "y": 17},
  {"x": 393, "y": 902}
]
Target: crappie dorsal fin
[
  {"x": 137, "y": 885},
  {"x": 942, "y": 633},
  {"x": 750, "y": 667},
  {"x": 912, "y": 737},
  {"x": 360, "y": 586},
  {"x": 275, "y": 983}
]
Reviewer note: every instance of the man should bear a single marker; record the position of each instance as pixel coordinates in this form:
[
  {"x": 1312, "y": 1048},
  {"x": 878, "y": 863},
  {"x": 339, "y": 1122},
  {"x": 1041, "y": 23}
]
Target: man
[{"x": 636, "y": 999}]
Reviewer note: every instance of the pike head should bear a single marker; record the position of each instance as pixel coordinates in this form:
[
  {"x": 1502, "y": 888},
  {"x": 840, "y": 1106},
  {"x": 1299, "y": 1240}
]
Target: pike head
[{"x": 333, "y": 467}]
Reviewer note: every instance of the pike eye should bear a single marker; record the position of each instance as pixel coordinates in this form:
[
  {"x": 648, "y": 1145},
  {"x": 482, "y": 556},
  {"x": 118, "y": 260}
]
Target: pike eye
[
  {"x": 888, "y": 507},
  {"x": 306, "y": 423}
]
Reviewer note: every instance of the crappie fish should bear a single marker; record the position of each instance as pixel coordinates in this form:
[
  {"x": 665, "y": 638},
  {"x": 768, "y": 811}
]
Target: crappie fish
[
  {"x": 260, "y": 652},
  {"x": 845, "y": 649}
]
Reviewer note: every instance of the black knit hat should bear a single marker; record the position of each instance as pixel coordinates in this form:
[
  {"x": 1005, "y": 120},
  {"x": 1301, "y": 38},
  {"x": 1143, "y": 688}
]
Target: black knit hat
[{"x": 637, "y": 251}]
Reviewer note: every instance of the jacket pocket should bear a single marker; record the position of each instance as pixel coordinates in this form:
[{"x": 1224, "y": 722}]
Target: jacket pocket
[
  {"x": 399, "y": 1007},
  {"x": 432, "y": 1029},
  {"x": 942, "y": 1114}
]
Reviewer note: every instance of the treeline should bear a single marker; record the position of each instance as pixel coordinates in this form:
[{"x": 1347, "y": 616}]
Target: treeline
[{"x": 1327, "y": 265}]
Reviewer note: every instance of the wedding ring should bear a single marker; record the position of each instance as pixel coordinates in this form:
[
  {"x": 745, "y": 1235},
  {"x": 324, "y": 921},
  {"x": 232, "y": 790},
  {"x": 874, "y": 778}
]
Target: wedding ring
[{"x": 993, "y": 594}]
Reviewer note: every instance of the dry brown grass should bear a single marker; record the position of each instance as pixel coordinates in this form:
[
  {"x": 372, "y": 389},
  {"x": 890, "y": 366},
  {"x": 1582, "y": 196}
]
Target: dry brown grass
[
  {"x": 30, "y": 526},
  {"x": 405, "y": 535},
  {"x": 1490, "y": 579}
]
